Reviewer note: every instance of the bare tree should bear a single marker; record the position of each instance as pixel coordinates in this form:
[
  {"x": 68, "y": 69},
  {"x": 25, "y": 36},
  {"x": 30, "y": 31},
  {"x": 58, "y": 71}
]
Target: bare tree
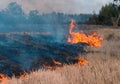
[{"x": 115, "y": 20}]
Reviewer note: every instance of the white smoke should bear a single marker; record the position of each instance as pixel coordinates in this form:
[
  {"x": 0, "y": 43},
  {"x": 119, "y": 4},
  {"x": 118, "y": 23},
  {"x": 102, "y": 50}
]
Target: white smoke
[{"x": 65, "y": 6}]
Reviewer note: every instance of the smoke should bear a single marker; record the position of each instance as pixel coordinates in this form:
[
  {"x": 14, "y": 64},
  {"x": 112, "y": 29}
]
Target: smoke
[
  {"x": 64, "y": 6},
  {"x": 47, "y": 6}
]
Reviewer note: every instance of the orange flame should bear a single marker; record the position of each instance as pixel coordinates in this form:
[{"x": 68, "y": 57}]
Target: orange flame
[
  {"x": 25, "y": 74},
  {"x": 3, "y": 78},
  {"x": 57, "y": 63},
  {"x": 79, "y": 37},
  {"x": 82, "y": 61},
  {"x": 22, "y": 76}
]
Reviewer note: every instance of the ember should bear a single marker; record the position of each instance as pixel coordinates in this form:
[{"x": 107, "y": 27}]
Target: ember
[
  {"x": 82, "y": 61},
  {"x": 80, "y": 37},
  {"x": 3, "y": 78},
  {"x": 25, "y": 74},
  {"x": 57, "y": 63}
]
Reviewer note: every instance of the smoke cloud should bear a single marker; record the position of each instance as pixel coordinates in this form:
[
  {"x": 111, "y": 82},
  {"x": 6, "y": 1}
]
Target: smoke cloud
[{"x": 64, "y": 6}]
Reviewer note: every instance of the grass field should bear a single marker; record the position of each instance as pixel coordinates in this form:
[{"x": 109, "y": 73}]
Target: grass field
[{"x": 103, "y": 67}]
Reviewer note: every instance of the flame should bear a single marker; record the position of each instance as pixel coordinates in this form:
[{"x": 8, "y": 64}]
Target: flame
[
  {"x": 3, "y": 78},
  {"x": 80, "y": 37},
  {"x": 25, "y": 74},
  {"x": 82, "y": 61},
  {"x": 57, "y": 63},
  {"x": 22, "y": 76},
  {"x": 74, "y": 37}
]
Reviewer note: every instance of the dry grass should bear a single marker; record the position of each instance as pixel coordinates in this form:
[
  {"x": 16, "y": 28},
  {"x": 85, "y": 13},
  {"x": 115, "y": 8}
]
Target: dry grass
[
  {"x": 99, "y": 71},
  {"x": 103, "y": 67}
]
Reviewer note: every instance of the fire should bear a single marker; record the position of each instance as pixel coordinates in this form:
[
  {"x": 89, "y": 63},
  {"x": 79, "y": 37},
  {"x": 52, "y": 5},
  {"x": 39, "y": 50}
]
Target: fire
[
  {"x": 74, "y": 37},
  {"x": 80, "y": 37},
  {"x": 25, "y": 74},
  {"x": 57, "y": 63},
  {"x": 3, "y": 78},
  {"x": 22, "y": 76},
  {"x": 82, "y": 61}
]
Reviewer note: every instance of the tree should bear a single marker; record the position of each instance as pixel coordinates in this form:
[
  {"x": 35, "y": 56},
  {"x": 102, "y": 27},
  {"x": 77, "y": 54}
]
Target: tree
[
  {"x": 14, "y": 9},
  {"x": 110, "y": 13},
  {"x": 115, "y": 20},
  {"x": 93, "y": 19},
  {"x": 13, "y": 14},
  {"x": 34, "y": 17}
]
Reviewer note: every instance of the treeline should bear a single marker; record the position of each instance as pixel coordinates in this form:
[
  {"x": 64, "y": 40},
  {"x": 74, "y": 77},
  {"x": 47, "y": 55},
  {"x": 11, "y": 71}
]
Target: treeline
[
  {"x": 108, "y": 15},
  {"x": 14, "y": 14}
]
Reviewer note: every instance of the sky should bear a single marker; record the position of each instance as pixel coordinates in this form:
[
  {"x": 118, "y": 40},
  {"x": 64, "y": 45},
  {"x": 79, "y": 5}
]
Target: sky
[{"x": 64, "y": 6}]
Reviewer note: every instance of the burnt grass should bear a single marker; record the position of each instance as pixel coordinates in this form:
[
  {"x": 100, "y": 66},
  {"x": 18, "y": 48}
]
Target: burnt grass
[
  {"x": 26, "y": 52},
  {"x": 102, "y": 68}
]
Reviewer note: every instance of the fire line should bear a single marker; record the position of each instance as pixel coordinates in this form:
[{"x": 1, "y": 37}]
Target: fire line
[{"x": 80, "y": 37}]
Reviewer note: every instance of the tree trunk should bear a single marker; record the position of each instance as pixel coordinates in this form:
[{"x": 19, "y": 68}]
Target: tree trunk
[{"x": 115, "y": 20}]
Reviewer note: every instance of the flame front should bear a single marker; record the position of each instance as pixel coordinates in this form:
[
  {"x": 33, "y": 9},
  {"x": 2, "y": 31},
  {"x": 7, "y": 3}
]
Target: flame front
[
  {"x": 80, "y": 37},
  {"x": 82, "y": 61},
  {"x": 3, "y": 78}
]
